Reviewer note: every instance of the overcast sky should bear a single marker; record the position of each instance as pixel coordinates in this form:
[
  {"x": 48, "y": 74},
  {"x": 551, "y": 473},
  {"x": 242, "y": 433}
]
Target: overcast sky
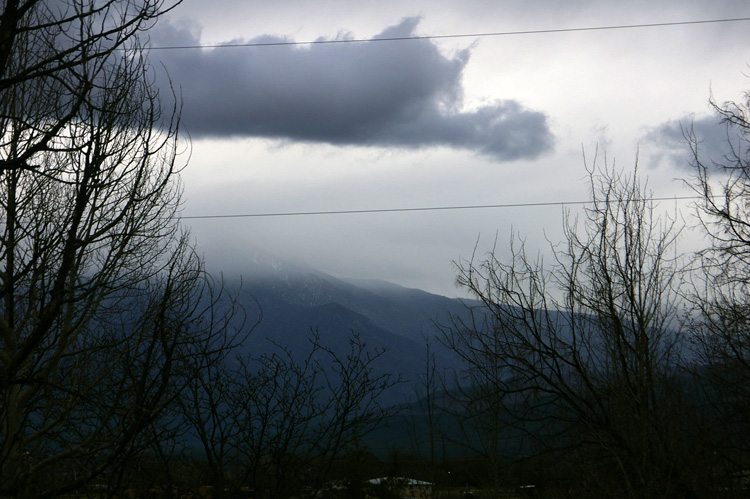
[{"x": 431, "y": 122}]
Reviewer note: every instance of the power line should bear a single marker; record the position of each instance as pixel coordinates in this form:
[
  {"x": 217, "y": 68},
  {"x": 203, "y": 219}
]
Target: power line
[
  {"x": 427, "y": 208},
  {"x": 463, "y": 35}
]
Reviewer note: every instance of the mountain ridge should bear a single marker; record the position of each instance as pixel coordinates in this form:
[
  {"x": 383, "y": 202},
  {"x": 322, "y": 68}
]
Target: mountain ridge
[{"x": 299, "y": 301}]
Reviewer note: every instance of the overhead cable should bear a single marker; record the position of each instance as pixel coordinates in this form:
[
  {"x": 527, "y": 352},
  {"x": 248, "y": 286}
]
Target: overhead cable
[
  {"x": 441, "y": 37},
  {"x": 426, "y": 208}
]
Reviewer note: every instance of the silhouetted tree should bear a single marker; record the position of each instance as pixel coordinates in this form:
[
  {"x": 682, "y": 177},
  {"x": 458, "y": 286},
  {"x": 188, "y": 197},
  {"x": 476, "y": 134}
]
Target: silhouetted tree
[
  {"x": 428, "y": 410},
  {"x": 721, "y": 278},
  {"x": 584, "y": 355},
  {"x": 103, "y": 302},
  {"x": 279, "y": 421}
]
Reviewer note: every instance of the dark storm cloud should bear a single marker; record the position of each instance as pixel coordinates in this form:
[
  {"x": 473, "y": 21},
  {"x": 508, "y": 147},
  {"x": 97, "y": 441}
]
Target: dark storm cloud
[
  {"x": 404, "y": 94},
  {"x": 668, "y": 142}
]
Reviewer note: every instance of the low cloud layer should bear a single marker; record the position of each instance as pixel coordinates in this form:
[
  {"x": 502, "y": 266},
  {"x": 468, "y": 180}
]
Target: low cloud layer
[
  {"x": 669, "y": 145},
  {"x": 388, "y": 94}
]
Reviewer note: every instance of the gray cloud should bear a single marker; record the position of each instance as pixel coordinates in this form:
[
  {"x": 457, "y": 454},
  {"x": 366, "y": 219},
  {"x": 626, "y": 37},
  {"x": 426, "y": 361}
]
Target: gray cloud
[
  {"x": 668, "y": 142},
  {"x": 403, "y": 94}
]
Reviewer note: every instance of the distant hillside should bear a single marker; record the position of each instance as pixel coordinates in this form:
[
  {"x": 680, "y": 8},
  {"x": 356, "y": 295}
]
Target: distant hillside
[{"x": 295, "y": 300}]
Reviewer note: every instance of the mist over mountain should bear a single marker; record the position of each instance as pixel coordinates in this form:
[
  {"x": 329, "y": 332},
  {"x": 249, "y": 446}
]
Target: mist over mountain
[{"x": 297, "y": 301}]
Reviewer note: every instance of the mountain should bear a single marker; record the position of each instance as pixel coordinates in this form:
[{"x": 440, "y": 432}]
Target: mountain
[{"x": 295, "y": 300}]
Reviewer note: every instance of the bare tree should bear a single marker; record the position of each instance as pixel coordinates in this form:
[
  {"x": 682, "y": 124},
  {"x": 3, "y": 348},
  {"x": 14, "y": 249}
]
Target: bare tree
[
  {"x": 584, "y": 355},
  {"x": 62, "y": 52},
  {"x": 103, "y": 301},
  {"x": 427, "y": 409},
  {"x": 278, "y": 421},
  {"x": 721, "y": 280}
]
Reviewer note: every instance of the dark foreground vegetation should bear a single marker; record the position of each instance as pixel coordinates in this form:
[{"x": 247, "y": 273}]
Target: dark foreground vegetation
[{"x": 618, "y": 367}]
